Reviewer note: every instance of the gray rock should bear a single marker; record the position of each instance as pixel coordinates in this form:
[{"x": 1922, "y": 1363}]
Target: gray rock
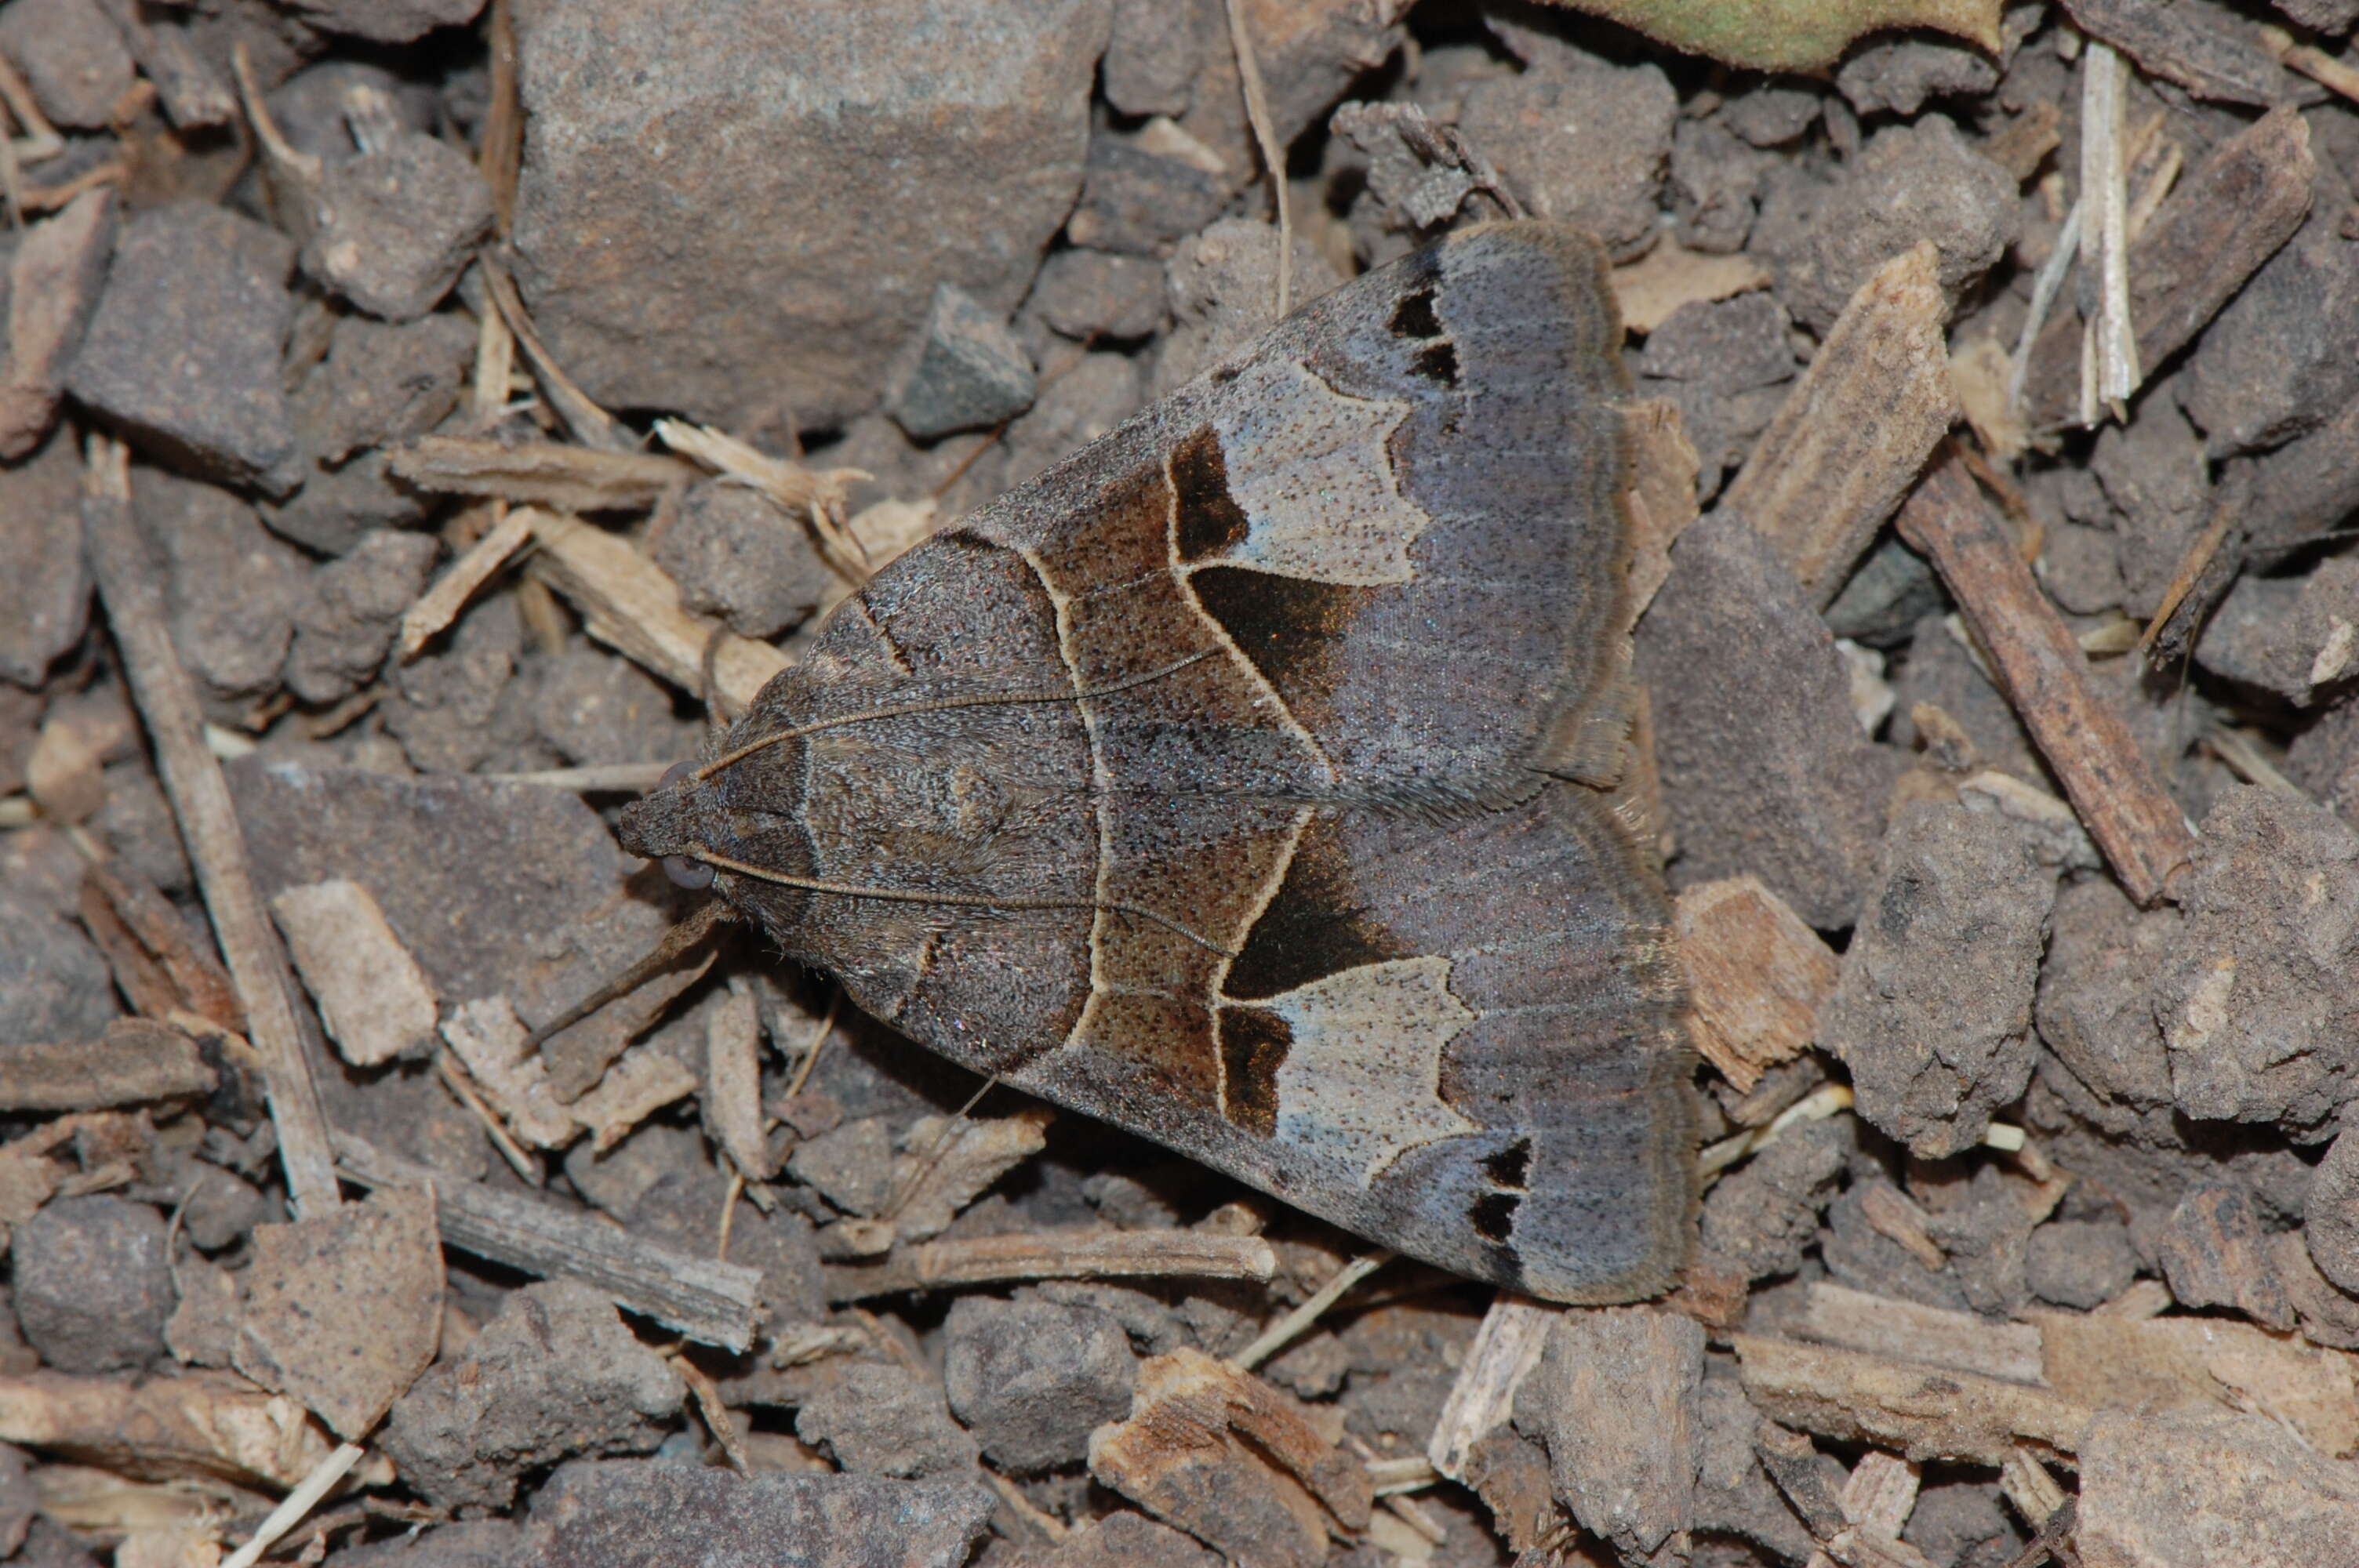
[
  {"x": 1031, "y": 1379},
  {"x": 1617, "y": 1398},
  {"x": 851, "y": 1165},
  {"x": 183, "y": 348},
  {"x": 962, "y": 370},
  {"x": 465, "y": 1544},
  {"x": 232, "y": 590},
  {"x": 556, "y": 1374},
  {"x": 1771, "y": 115},
  {"x": 340, "y": 506},
  {"x": 341, "y": 632},
  {"x": 54, "y": 986},
  {"x": 1137, "y": 201},
  {"x": 1581, "y": 139},
  {"x": 138, "y": 826},
  {"x": 396, "y": 224},
  {"x": 44, "y": 582},
  {"x": 1932, "y": 1009},
  {"x": 737, "y": 554},
  {"x": 2080, "y": 1263},
  {"x": 2283, "y": 357},
  {"x": 637, "y": 1514},
  {"x": 1715, "y": 181},
  {"x": 19, "y": 1499},
  {"x": 1095, "y": 394},
  {"x": 2214, "y": 1249},
  {"x": 1725, "y": 363},
  {"x": 1763, "y": 767},
  {"x": 1128, "y": 1540},
  {"x": 92, "y": 1282},
  {"x": 1759, "y": 1217},
  {"x": 847, "y": 161},
  {"x": 1222, "y": 286},
  {"x": 1900, "y": 75},
  {"x": 598, "y": 708},
  {"x": 386, "y": 21},
  {"x": 2257, "y": 1020},
  {"x": 1886, "y": 596},
  {"x": 2331, "y": 1213},
  {"x": 1155, "y": 53},
  {"x": 2292, "y": 636},
  {"x": 314, "y": 107},
  {"x": 382, "y": 382},
  {"x": 1088, "y": 295},
  {"x": 2093, "y": 1007},
  {"x": 879, "y": 1419},
  {"x": 450, "y": 707},
  {"x": 1911, "y": 183},
  {"x": 71, "y": 57},
  {"x": 2157, "y": 496}
]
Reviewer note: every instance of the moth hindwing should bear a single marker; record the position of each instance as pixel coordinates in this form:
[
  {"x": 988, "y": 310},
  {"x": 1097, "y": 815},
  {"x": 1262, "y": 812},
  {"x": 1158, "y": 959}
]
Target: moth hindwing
[{"x": 1219, "y": 783}]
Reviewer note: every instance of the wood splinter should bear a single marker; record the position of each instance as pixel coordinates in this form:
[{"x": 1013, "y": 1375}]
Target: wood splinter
[{"x": 2044, "y": 674}]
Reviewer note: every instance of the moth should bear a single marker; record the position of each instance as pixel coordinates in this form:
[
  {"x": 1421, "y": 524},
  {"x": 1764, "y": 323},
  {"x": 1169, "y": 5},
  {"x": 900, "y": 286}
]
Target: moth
[{"x": 1233, "y": 781}]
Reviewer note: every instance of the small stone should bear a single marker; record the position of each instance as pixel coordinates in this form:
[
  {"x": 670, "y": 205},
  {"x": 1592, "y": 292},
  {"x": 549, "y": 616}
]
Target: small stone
[
  {"x": 338, "y": 507},
  {"x": 1932, "y": 1011},
  {"x": 1222, "y": 285},
  {"x": 597, "y": 707},
  {"x": 2215, "y": 1251},
  {"x": 356, "y": 603},
  {"x": 1139, "y": 201},
  {"x": 1581, "y": 139},
  {"x": 852, "y": 1166},
  {"x": 848, "y": 160},
  {"x": 44, "y": 582},
  {"x": 450, "y": 708},
  {"x": 1764, "y": 769},
  {"x": 1031, "y": 1379},
  {"x": 71, "y": 57},
  {"x": 1911, "y": 183},
  {"x": 183, "y": 349},
  {"x": 878, "y": 1420},
  {"x": 1715, "y": 180},
  {"x": 1093, "y": 295},
  {"x": 1759, "y": 1217},
  {"x": 53, "y": 984},
  {"x": 2080, "y": 1263},
  {"x": 2251, "y": 996},
  {"x": 965, "y": 371},
  {"x": 737, "y": 554},
  {"x": 92, "y": 1282},
  {"x": 232, "y": 590},
  {"x": 343, "y": 1310},
  {"x": 1128, "y": 1540},
  {"x": 1091, "y": 398},
  {"x": 53, "y": 284},
  {"x": 2153, "y": 473},
  {"x": 1724, "y": 364},
  {"x": 556, "y": 1374},
  {"x": 2283, "y": 356},
  {"x": 1772, "y": 114},
  {"x": 631, "y": 1513},
  {"x": 220, "y": 1208},
  {"x": 382, "y": 382},
  {"x": 1901, "y": 75},
  {"x": 386, "y": 21},
  {"x": 1886, "y": 596},
  {"x": 396, "y": 224},
  {"x": 2080, "y": 568},
  {"x": 2296, "y": 637},
  {"x": 1154, "y": 55},
  {"x": 316, "y": 106}
]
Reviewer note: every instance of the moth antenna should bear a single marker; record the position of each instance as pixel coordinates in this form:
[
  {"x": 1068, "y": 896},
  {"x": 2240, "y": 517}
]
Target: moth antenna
[
  {"x": 922, "y": 895},
  {"x": 938, "y": 705},
  {"x": 695, "y": 928},
  {"x": 935, "y": 1151}
]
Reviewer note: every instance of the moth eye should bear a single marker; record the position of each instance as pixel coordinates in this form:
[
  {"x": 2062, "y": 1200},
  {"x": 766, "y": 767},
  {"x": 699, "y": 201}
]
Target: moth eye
[
  {"x": 694, "y": 875},
  {"x": 674, "y": 775}
]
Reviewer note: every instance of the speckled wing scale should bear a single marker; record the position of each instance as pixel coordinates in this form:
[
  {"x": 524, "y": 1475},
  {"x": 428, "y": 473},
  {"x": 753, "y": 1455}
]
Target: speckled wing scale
[{"x": 1219, "y": 783}]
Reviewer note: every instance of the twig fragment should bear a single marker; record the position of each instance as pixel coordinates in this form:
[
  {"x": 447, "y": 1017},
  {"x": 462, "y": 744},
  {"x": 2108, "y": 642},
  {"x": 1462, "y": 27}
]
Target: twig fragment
[
  {"x": 1284, "y": 1332},
  {"x": 1087, "y": 1254},
  {"x": 200, "y": 802}
]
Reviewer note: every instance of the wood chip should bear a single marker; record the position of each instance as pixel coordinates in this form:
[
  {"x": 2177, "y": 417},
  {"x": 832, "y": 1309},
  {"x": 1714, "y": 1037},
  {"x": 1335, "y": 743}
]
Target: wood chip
[
  {"x": 139, "y": 1062},
  {"x": 1926, "y": 1413},
  {"x": 2184, "y": 44},
  {"x": 1090, "y": 1254},
  {"x": 2042, "y": 671},
  {"x": 137, "y": 927},
  {"x": 440, "y": 604},
  {"x": 131, "y": 584},
  {"x": 375, "y": 1000},
  {"x": 541, "y": 473},
  {"x": 630, "y": 604},
  {"x": 204, "y": 1424},
  {"x": 345, "y": 1310},
  {"x": 709, "y": 1301},
  {"x": 1662, "y": 496},
  {"x": 1756, "y": 975},
  {"x": 1851, "y": 436},
  {"x": 945, "y": 1163},
  {"x": 2207, "y": 1363},
  {"x": 2227, "y": 216},
  {"x": 1232, "y": 1461},
  {"x": 53, "y": 284},
  {"x": 732, "y": 1092},
  {"x": 1670, "y": 275},
  {"x": 1854, "y": 1320},
  {"x": 1506, "y": 1348}
]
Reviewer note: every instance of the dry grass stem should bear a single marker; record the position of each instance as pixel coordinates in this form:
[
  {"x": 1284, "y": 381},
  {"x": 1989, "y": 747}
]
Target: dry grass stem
[
  {"x": 590, "y": 425},
  {"x": 1273, "y": 157},
  {"x": 440, "y": 604},
  {"x": 571, "y": 478},
  {"x": 300, "y": 1501},
  {"x": 1287, "y": 1329},
  {"x": 1086, "y": 1254}
]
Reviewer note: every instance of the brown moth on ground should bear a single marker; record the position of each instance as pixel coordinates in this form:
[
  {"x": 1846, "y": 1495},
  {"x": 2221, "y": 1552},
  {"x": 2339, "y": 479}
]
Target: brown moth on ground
[{"x": 1226, "y": 783}]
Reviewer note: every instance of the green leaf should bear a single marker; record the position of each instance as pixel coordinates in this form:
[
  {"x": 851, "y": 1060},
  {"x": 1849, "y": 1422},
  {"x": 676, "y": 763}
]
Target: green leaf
[{"x": 1790, "y": 35}]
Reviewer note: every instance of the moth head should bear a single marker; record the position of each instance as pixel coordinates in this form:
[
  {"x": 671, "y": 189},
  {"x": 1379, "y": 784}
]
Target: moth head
[{"x": 667, "y": 824}]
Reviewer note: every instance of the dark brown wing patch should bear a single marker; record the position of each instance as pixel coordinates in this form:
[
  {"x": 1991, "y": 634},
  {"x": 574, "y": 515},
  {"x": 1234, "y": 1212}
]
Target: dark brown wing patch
[{"x": 1316, "y": 925}]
